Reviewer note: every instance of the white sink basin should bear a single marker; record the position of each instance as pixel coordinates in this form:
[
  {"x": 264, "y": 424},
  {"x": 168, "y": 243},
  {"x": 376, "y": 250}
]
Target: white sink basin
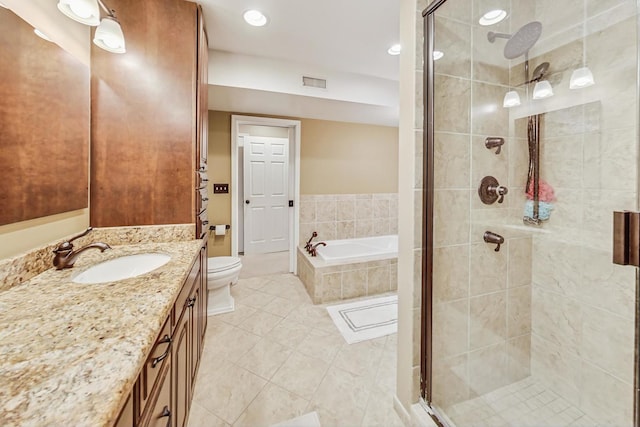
[{"x": 121, "y": 268}]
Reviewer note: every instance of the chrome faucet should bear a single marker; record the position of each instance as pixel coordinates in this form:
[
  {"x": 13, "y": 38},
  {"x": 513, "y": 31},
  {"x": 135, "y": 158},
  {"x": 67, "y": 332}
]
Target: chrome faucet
[
  {"x": 65, "y": 256},
  {"x": 313, "y": 251}
]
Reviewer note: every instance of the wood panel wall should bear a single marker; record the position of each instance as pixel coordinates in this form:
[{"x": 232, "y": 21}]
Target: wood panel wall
[
  {"x": 143, "y": 117},
  {"x": 44, "y": 125}
]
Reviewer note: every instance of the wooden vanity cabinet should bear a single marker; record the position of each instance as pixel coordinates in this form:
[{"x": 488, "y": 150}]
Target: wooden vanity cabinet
[
  {"x": 149, "y": 115},
  {"x": 163, "y": 392}
]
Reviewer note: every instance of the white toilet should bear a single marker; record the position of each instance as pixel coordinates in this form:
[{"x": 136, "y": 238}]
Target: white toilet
[{"x": 222, "y": 272}]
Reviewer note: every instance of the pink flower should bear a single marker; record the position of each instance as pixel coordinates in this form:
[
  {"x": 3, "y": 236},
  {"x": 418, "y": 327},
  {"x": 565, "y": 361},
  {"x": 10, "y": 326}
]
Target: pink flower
[{"x": 545, "y": 192}]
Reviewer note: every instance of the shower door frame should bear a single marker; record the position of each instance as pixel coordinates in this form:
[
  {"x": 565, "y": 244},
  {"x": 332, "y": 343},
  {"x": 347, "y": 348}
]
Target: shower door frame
[{"x": 428, "y": 138}]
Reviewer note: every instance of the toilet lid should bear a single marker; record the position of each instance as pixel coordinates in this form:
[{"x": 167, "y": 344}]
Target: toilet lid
[{"x": 221, "y": 263}]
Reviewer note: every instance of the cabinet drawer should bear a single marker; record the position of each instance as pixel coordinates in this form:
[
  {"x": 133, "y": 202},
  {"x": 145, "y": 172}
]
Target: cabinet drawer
[
  {"x": 183, "y": 298},
  {"x": 160, "y": 413},
  {"x": 156, "y": 361}
]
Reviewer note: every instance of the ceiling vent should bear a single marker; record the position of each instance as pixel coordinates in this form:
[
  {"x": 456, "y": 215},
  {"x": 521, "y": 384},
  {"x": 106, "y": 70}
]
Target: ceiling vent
[{"x": 313, "y": 82}]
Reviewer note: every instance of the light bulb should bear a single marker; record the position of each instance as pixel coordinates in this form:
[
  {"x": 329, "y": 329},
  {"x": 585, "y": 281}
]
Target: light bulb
[
  {"x": 255, "y": 18},
  {"x": 394, "y": 50},
  {"x": 109, "y": 36},
  {"x": 41, "y": 34},
  {"x": 84, "y": 11},
  {"x": 511, "y": 99},
  {"x": 542, "y": 90},
  {"x": 580, "y": 78},
  {"x": 492, "y": 17}
]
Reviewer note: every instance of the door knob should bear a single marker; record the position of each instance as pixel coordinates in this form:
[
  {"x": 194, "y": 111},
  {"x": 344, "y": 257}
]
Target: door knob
[{"x": 247, "y": 202}]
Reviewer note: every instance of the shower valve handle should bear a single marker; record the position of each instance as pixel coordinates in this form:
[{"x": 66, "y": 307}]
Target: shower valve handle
[
  {"x": 500, "y": 191},
  {"x": 490, "y": 191}
]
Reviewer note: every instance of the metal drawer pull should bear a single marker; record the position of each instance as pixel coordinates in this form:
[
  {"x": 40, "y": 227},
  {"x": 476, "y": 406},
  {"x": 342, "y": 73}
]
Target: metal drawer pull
[
  {"x": 191, "y": 302},
  {"x": 165, "y": 340},
  {"x": 166, "y": 412}
]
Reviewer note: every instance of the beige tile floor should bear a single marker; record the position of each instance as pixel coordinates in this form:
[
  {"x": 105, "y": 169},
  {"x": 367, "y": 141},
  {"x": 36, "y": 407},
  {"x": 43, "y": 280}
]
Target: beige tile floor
[
  {"x": 277, "y": 356},
  {"x": 264, "y": 264}
]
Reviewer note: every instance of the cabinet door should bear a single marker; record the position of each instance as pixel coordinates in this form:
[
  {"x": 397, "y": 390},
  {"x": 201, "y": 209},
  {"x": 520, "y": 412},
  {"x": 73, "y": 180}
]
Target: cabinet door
[
  {"x": 204, "y": 299},
  {"x": 182, "y": 371},
  {"x": 125, "y": 419},
  {"x": 161, "y": 413},
  {"x": 202, "y": 96},
  {"x": 194, "y": 331}
]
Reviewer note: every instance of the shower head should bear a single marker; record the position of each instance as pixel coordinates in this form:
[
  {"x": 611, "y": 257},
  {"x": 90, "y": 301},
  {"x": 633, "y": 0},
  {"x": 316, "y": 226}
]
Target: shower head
[
  {"x": 523, "y": 40},
  {"x": 539, "y": 71}
]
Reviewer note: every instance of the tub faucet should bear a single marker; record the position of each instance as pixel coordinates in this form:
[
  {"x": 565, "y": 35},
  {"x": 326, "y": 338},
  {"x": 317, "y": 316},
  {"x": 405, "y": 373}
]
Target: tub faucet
[
  {"x": 307, "y": 247},
  {"x": 313, "y": 251},
  {"x": 65, "y": 256}
]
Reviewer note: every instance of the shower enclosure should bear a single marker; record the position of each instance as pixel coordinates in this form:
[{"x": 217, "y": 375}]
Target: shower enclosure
[{"x": 531, "y": 144}]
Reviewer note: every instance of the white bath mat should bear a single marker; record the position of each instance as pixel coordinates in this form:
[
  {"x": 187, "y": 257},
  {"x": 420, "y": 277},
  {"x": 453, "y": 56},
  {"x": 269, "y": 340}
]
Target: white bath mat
[
  {"x": 307, "y": 420},
  {"x": 367, "y": 319}
]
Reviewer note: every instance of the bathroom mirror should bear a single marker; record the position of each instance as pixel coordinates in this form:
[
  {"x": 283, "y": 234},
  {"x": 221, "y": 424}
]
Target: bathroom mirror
[{"x": 44, "y": 125}]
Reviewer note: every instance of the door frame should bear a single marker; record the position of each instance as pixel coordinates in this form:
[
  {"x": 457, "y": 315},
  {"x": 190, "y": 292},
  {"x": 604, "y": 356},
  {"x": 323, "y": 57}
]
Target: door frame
[{"x": 294, "y": 144}]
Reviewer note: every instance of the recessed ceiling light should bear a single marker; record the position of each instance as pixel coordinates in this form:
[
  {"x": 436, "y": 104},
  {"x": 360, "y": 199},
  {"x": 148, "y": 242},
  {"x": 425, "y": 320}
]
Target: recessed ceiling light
[
  {"x": 492, "y": 17},
  {"x": 41, "y": 34},
  {"x": 255, "y": 18},
  {"x": 437, "y": 54},
  {"x": 394, "y": 50}
]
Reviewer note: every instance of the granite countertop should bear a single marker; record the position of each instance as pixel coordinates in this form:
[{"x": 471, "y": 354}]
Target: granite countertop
[{"x": 70, "y": 353}]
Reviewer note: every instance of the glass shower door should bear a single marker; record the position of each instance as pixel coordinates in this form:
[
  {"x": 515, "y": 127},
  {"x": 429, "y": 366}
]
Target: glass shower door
[{"x": 531, "y": 128}]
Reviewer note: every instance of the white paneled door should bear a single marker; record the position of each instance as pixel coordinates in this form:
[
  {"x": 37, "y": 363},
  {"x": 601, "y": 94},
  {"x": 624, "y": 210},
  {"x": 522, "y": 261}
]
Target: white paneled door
[{"x": 266, "y": 194}]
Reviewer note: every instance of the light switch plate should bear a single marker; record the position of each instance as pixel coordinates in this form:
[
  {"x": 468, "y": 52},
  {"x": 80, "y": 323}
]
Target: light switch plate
[{"x": 220, "y": 188}]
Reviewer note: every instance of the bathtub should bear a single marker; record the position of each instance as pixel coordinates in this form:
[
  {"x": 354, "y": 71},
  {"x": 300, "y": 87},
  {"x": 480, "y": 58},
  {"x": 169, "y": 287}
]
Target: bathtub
[
  {"x": 350, "y": 268},
  {"x": 359, "y": 248}
]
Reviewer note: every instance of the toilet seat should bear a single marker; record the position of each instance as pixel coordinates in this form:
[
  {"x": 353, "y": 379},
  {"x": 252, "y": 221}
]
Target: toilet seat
[{"x": 223, "y": 263}]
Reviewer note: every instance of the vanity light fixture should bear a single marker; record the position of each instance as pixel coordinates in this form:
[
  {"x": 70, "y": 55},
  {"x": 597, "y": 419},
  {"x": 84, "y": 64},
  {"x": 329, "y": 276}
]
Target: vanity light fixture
[
  {"x": 511, "y": 99},
  {"x": 394, "y": 50},
  {"x": 581, "y": 78},
  {"x": 492, "y": 17},
  {"x": 542, "y": 90},
  {"x": 108, "y": 35},
  {"x": 41, "y": 34},
  {"x": 83, "y": 11},
  {"x": 437, "y": 54},
  {"x": 255, "y": 18}
]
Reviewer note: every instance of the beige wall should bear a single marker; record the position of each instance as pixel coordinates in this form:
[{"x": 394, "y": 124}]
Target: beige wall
[
  {"x": 23, "y": 236},
  {"x": 219, "y": 162},
  {"x": 409, "y": 204},
  {"x": 335, "y": 158},
  {"x": 348, "y": 158}
]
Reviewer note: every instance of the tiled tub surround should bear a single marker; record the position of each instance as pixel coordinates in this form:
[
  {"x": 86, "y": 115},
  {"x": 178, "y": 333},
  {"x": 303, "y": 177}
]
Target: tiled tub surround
[
  {"x": 70, "y": 353},
  {"x": 21, "y": 268},
  {"x": 335, "y": 281},
  {"x": 346, "y": 216}
]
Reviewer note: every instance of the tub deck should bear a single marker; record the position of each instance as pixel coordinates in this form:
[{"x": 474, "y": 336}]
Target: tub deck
[{"x": 350, "y": 268}]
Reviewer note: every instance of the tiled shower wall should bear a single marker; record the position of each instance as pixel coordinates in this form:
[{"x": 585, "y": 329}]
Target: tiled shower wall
[
  {"x": 347, "y": 216},
  {"x": 583, "y": 306}
]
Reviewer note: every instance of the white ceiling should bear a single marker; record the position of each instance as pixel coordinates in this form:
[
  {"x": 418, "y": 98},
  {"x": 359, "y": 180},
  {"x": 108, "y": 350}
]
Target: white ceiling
[{"x": 344, "y": 41}]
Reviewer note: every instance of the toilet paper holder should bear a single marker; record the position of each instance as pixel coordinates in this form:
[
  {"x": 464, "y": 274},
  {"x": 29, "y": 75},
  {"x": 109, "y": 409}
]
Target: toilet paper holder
[
  {"x": 219, "y": 229},
  {"x": 213, "y": 227}
]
